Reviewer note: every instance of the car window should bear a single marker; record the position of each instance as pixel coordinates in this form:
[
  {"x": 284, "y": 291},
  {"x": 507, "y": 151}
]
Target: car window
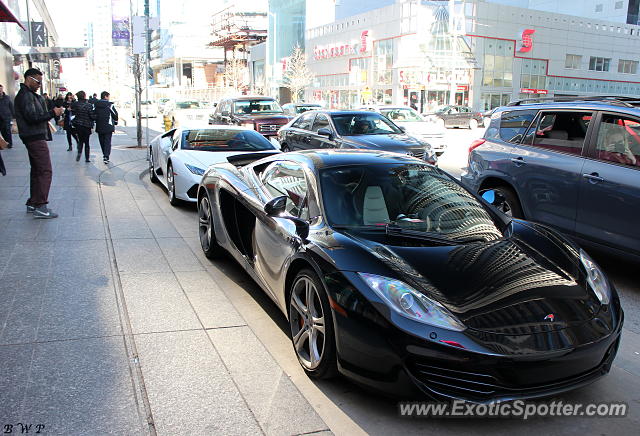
[
  {"x": 560, "y": 131},
  {"x": 464, "y": 109},
  {"x": 511, "y": 126},
  {"x": 287, "y": 178},
  {"x": 352, "y": 124},
  {"x": 257, "y": 106},
  {"x": 402, "y": 115},
  {"x": 304, "y": 122},
  {"x": 619, "y": 140},
  {"x": 321, "y": 122},
  {"x": 224, "y": 140}
]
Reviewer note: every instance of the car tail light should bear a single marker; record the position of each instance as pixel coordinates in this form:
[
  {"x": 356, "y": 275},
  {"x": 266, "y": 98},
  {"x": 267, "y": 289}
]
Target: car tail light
[{"x": 475, "y": 144}]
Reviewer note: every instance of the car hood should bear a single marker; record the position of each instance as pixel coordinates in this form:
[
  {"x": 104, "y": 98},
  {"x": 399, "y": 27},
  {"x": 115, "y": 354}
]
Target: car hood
[
  {"x": 422, "y": 128},
  {"x": 526, "y": 283},
  {"x": 203, "y": 159},
  {"x": 279, "y": 118},
  {"x": 391, "y": 142}
]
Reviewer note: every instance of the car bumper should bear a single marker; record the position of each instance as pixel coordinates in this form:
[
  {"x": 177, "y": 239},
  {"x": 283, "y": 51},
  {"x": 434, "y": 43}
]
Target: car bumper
[
  {"x": 407, "y": 364},
  {"x": 187, "y": 186}
]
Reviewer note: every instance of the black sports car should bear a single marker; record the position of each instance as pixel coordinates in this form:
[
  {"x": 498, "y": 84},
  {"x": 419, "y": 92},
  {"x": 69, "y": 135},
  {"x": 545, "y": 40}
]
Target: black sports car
[{"x": 393, "y": 274}]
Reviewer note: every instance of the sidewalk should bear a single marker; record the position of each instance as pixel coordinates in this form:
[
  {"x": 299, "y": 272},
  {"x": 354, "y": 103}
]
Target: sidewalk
[{"x": 111, "y": 323}]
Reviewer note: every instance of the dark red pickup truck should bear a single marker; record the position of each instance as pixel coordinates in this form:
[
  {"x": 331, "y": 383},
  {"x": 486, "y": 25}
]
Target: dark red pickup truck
[{"x": 263, "y": 114}]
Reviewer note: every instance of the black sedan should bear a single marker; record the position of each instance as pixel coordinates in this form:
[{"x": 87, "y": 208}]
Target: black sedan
[
  {"x": 458, "y": 116},
  {"x": 351, "y": 130},
  {"x": 393, "y": 274}
]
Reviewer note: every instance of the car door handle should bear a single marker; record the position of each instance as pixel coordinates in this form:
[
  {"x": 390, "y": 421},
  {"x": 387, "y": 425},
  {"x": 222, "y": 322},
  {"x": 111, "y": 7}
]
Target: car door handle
[
  {"x": 518, "y": 161},
  {"x": 593, "y": 177}
]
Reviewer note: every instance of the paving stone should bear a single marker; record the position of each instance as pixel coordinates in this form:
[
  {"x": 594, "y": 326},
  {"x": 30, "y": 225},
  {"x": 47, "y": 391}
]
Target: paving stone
[
  {"x": 161, "y": 227},
  {"x": 157, "y": 303},
  {"x": 15, "y": 362},
  {"x": 139, "y": 256},
  {"x": 189, "y": 388},
  {"x": 80, "y": 228},
  {"x": 179, "y": 255},
  {"x": 20, "y": 304},
  {"x": 129, "y": 228},
  {"x": 149, "y": 207},
  {"x": 81, "y": 387}
]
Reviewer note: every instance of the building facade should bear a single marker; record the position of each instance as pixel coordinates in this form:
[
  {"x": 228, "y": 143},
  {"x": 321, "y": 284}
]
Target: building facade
[{"x": 482, "y": 54}]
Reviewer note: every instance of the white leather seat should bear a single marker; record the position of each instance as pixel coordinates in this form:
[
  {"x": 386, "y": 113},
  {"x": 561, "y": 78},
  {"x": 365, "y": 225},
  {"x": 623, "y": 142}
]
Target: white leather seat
[{"x": 374, "y": 208}]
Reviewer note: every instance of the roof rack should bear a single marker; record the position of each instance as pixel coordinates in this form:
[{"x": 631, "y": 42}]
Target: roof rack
[{"x": 608, "y": 99}]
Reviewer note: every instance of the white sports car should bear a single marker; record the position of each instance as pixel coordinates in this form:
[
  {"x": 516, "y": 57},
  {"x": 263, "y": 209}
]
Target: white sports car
[{"x": 178, "y": 158}]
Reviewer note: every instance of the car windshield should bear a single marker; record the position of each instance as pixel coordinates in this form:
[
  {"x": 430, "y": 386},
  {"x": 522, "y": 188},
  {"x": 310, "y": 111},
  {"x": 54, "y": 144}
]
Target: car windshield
[
  {"x": 414, "y": 197},
  {"x": 224, "y": 140},
  {"x": 363, "y": 123},
  {"x": 301, "y": 109},
  {"x": 402, "y": 115},
  {"x": 257, "y": 106},
  {"x": 189, "y": 105}
]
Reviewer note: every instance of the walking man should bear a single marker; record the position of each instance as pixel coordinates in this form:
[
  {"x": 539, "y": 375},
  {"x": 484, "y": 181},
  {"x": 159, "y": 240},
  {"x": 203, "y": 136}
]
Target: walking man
[
  {"x": 32, "y": 117},
  {"x": 85, "y": 116},
  {"x": 6, "y": 115},
  {"x": 106, "y": 120}
]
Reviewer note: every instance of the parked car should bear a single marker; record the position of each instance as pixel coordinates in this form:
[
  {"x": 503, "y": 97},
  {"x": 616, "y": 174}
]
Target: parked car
[
  {"x": 148, "y": 109},
  {"x": 295, "y": 109},
  {"x": 391, "y": 273},
  {"x": 179, "y": 157},
  {"x": 457, "y": 116},
  {"x": 187, "y": 112},
  {"x": 263, "y": 114},
  {"x": 414, "y": 124},
  {"x": 572, "y": 164},
  {"x": 351, "y": 129}
]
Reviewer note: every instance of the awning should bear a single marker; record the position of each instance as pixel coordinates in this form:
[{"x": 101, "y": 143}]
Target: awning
[
  {"x": 43, "y": 54},
  {"x": 7, "y": 16}
]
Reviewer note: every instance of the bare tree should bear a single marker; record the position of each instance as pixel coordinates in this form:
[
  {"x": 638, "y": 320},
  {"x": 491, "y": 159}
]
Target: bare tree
[
  {"x": 236, "y": 74},
  {"x": 297, "y": 75}
]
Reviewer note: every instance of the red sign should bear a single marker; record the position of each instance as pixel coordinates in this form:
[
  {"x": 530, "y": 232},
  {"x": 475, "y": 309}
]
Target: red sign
[
  {"x": 534, "y": 91},
  {"x": 363, "y": 41},
  {"x": 526, "y": 40},
  {"x": 346, "y": 49},
  {"x": 462, "y": 88}
]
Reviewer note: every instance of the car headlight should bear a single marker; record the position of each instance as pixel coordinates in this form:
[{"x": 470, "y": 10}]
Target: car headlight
[
  {"x": 195, "y": 170},
  {"x": 410, "y": 303},
  {"x": 596, "y": 278}
]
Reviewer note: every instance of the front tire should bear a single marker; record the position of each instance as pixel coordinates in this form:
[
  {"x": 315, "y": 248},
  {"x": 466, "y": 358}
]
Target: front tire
[
  {"x": 171, "y": 186},
  {"x": 311, "y": 324},
  {"x": 206, "y": 231}
]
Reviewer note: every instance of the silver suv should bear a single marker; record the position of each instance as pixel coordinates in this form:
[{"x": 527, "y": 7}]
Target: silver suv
[{"x": 571, "y": 164}]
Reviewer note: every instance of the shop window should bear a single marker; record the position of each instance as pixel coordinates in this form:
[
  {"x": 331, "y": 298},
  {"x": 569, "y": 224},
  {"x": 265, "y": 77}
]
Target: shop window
[
  {"x": 627, "y": 66},
  {"x": 599, "y": 64},
  {"x": 572, "y": 61}
]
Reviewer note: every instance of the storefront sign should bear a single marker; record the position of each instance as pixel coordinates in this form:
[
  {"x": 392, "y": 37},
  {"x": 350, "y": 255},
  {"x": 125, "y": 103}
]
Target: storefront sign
[
  {"x": 462, "y": 88},
  {"x": 442, "y": 76},
  {"x": 534, "y": 91},
  {"x": 526, "y": 40},
  {"x": 346, "y": 49}
]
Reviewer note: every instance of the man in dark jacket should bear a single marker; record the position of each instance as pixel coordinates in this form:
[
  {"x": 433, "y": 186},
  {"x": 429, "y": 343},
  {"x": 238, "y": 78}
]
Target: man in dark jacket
[
  {"x": 106, "y": 119},
  {"x": 85, "y": 115},
  {"x": 32, "y": 117},
  {"x": 93, "y": 99},
  {"x": 6, "y": 115}
]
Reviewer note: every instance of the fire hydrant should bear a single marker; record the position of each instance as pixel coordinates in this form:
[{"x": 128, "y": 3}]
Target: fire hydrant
[{"x": 167, "y": 123}]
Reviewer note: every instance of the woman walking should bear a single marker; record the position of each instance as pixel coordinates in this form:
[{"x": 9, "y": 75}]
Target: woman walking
[
  {"x": 85, "y": 115},
  {"x": 67, "y": 125}
]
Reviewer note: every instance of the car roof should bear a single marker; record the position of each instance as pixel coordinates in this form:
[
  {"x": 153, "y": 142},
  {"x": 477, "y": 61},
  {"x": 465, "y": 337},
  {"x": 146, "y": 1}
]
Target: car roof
[
  {"x": 252, "y": 97},
  {"x": 576, "y": 105},
  {"x": 320, "y": 159},
  {"x": 344, "y": 112},
  {"x": 212, "y": 127}
]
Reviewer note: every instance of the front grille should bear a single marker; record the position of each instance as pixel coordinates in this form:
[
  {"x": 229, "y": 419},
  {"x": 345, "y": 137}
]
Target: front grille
[
  {"x": 417, "y": 153},
  {"x": 268, "y": 128},
  {"x": 480, "y": 386}
]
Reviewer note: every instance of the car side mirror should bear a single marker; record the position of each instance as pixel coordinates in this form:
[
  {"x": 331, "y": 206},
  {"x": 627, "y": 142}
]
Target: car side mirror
[
  {"x": 276, "y": 208},
  {"x": 325, "y": 132},
  {"x": 493, "y": 198},
  {"x": 225, "y": 113}
]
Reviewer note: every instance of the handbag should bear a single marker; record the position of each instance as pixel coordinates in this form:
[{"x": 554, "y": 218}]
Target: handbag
[{"x": 3, "y": 144}]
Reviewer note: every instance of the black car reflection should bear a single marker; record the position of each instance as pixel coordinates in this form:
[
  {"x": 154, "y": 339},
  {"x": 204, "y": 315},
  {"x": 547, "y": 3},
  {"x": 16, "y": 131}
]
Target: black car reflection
[{"x": 393, "y": 274}]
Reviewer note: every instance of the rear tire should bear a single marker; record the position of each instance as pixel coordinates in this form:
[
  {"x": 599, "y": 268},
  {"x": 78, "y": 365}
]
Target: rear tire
[
  {"x": 511, "y": 205},
  {"x": 311, "y": 324}
]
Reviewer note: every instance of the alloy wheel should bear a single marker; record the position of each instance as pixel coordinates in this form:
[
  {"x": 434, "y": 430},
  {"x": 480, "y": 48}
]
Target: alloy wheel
[
  {"x": 307, "y": 322},
  {"x": 204, "y": 227}
]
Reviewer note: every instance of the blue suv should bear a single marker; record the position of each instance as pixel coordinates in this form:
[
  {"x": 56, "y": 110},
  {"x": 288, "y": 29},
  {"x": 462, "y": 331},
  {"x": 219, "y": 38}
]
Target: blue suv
[{"x": 574, "y": 165}]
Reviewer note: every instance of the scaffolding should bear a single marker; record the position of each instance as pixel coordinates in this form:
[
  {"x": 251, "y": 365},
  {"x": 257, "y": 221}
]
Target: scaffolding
[{"x": 232, "y": 28}]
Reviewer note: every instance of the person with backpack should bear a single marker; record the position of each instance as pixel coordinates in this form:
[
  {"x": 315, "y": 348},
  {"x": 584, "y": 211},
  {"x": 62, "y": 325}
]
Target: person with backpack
[
  {"x": 67, "y": 124},
  {"x": 106, "y": 120},
  {"x": 84, "y": 115}
]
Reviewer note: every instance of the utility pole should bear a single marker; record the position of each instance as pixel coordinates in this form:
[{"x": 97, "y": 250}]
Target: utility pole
[{"x": 136, "y": 78}]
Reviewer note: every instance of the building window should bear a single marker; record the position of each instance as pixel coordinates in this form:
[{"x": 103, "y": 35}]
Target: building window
[
  {"x": 573, "y": 61},
  {"x": 599, "y": 64},
  {"x": 599, "y": 8},
  {"x": 383, "y": 61},
  {"x": 498, "y": 64},
  {"x": 627, "y": 67},
  {"x": 490, "y": 100},
  {"x": 534, "y": 74}
]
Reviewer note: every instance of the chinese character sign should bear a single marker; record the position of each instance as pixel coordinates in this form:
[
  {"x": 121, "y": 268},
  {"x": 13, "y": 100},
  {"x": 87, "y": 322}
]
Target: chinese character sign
[{"x": 120, "y": 32}]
